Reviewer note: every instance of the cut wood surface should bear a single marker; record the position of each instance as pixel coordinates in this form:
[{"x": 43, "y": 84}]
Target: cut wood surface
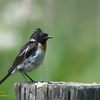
[{"x": 57, "y": 91}]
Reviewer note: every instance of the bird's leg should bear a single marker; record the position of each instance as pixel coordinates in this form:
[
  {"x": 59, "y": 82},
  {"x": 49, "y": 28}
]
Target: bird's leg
[
  {"x": 24, "y": 76},
  {"x": 30, "y": 78}
]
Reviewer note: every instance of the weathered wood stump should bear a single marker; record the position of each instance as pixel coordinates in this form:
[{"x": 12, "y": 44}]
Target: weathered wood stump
[{"x": 57, "y": 91}]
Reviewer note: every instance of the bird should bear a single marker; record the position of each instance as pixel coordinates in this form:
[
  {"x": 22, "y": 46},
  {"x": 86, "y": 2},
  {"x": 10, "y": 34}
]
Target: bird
[{"x": 30, "y": 56}]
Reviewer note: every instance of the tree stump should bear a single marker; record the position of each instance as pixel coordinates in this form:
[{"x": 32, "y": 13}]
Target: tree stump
[{"x": 57, "y": 91}]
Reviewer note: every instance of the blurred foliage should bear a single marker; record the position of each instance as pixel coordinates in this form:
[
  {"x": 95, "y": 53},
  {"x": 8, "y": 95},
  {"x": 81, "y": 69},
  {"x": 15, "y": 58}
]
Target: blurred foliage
[{"x": 74, "y": 52}]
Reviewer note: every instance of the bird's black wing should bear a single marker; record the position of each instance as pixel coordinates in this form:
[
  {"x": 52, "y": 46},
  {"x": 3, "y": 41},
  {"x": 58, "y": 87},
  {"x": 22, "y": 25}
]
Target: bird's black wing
[{"x": 28, "y": 49}]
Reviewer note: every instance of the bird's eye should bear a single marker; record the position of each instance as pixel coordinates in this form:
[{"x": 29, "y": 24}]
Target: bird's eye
[{"x": 39, "y": 35}]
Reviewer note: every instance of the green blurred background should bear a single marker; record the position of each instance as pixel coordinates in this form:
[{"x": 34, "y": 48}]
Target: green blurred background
[{"x": 73, "y": 55}]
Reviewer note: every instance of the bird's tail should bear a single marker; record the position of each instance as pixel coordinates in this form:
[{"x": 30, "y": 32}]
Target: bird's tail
[{"x": 9, "y": 73}]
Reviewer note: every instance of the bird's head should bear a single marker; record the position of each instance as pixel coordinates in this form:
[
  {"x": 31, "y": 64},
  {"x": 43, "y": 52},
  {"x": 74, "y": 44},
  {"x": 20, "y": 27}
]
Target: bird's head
[{"x": 40, "y": 37}]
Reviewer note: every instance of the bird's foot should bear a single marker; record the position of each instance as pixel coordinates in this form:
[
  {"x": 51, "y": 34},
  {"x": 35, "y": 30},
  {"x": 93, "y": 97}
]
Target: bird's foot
[{"x": 45, "y": 82}]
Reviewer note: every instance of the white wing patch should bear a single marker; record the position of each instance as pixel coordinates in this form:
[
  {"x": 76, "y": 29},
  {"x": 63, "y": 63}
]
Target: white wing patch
[
  {"x": 33, "y": 40},
  {"x": 24, "y": 51}
]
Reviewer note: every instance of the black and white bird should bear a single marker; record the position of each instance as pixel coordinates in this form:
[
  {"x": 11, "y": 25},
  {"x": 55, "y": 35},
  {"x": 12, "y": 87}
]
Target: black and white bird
[{"x": 30, "y": 56}]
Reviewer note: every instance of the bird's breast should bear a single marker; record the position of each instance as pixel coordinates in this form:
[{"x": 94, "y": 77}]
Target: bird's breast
[
  {"x": 38, "y": 57},
  {"x": 33, "y": 62},
  {"x": 42, "y": 47}
]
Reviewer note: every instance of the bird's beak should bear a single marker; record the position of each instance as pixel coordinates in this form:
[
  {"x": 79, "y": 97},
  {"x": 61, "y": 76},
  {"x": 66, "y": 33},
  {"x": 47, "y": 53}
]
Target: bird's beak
[{"x": 48, "y": 37}]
